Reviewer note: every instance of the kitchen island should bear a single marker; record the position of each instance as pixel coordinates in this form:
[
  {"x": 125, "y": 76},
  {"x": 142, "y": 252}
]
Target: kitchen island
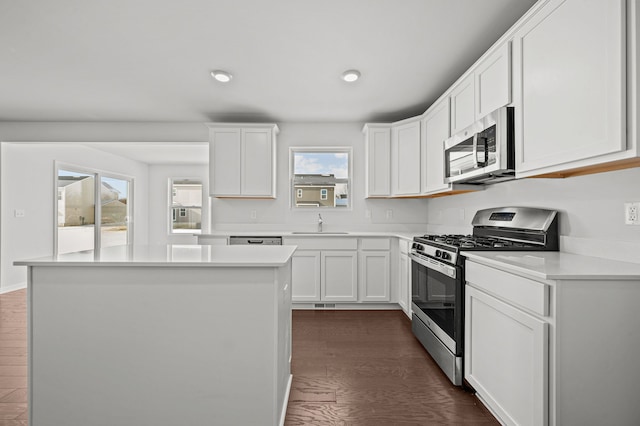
[{"x": 160, "y": 335}]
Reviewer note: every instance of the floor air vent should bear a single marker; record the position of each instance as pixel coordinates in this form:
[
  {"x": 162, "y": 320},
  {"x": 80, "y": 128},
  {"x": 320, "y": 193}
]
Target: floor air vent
[{"x": 324, "y": 305}]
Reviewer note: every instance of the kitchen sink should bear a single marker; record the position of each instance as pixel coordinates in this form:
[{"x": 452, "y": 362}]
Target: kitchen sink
[{"x": 319, "y": 233}]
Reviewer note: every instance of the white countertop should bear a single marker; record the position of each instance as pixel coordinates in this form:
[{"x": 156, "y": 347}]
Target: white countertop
[
  {"x": 556, "y": 265},
  {"x": 172, "y": 255}
]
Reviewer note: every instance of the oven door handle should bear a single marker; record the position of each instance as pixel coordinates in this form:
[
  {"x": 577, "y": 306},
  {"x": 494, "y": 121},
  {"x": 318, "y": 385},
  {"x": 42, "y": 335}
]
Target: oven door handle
[{"x": 433, "y": 264}]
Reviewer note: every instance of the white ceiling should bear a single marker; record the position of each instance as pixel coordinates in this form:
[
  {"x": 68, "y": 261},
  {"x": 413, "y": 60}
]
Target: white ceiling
[{"x": 144, "y": 60}]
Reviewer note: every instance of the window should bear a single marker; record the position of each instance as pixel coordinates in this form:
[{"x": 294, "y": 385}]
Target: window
[
  {"x": 320, "y": 177},
  {"x": 186, "y": 206}
]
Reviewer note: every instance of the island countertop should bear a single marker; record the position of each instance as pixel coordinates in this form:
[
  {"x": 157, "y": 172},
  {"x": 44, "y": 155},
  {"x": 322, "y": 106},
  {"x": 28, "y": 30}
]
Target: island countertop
[{"x": 171, "y": 256}]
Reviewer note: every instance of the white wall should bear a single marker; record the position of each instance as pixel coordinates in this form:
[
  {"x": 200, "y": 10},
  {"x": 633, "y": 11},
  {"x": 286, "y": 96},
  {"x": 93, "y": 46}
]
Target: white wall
[
  {"x": 28, "y": 183},
  {"x": 229, "y": 214},
  {"x": 591, "y": 209},
  {"x": 159, "y": 176}
]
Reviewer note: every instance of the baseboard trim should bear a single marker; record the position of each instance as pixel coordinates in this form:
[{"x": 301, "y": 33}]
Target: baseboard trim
[
  {"x": 11, "y": 288},
  {"x": 350, "y": 306}
]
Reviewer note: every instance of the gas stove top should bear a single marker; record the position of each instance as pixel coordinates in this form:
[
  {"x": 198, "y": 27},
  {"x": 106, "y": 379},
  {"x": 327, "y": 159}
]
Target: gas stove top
[
  {"x": 504, "y": 228},
  {"x": 473, "y": 242}
]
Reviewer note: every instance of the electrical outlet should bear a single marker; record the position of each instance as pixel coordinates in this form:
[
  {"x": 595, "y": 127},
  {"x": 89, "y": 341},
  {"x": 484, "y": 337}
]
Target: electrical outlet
[
  {"x": 18, "y": 213},
  {"x": 253, "y": 214},
  {"x": 367, "y": 214},
  {"x": 632, "y": 213},
  {"x": 389, "y": 214}
]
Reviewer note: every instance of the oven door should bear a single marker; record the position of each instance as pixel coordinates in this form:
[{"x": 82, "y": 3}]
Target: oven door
[{"x": 437, "y": 299}]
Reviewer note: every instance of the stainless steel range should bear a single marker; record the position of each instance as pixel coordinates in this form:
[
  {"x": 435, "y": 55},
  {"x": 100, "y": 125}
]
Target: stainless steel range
[{"x": 437, "y": 274}]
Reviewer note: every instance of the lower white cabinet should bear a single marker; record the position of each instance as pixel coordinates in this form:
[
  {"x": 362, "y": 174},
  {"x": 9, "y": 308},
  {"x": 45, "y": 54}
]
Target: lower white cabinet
[
  {"x": 555, "y": 352},
  {"x": 305, "y": 273},
  {"x": 341, "y": 269},
  {"x": 325, "y": 276},
  {"x": 374, "y": 276},
  {"x": 338, "y": 276},
  {"x": 324, "y": 269},
  {"x": 404, "y": 285},
  {"x": 506, "y": 358}
]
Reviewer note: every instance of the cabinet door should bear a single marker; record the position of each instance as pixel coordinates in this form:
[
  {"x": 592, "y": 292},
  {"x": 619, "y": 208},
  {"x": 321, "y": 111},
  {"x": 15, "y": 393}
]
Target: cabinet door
[
  {"x": 338, "y": 276},
  {"x": 493, "y": 81},
  {"x": 374, "y": 276},
  {"x": 305, "y": 272},
  {"x": 257, "y": 164},
  {"x": 406, "y": 159},
  {"x": 225, "y": 162},
  {"x": 569, "y": 84},
  {"x": 506, "y": 358},
  {"x": 405, "y": 284},
  {"x": 436, "y": 130},
  {"x": 463, "y": 105},
  {"x": 378, "y": 162}
]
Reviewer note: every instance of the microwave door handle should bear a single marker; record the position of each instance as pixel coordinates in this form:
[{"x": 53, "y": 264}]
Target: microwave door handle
[
  {"x": 485, "y": 151},
  {"x": 475, "y": 151}
]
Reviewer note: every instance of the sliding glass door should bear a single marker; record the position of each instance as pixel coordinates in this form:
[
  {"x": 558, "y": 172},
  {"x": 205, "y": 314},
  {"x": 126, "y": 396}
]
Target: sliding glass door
[
  {"x": 114, "y": 211},
  {"x": 79, "y": 224}
]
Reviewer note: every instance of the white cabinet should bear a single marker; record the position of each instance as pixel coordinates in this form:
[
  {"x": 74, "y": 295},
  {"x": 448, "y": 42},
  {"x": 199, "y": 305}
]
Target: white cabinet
[
  {"x": 555, "y": 352},
  {"x": 486, "y": 88},
  {"x": 493, "y": 81},
  {"x": 212, "y": 240},
  {"x": 404, "y": 285},
  {"x": 436, "y": 131},
  {"x": 406, "y": 159},
  {"x": 305, "y": 267},
  {"x": 378, "y": 155},
  {"x": 324, "y": 269},
  {"x": 463, "y": 105},
  {"x": 569, "y": 85},
  {"x": 242, "y": 160},
  {"x": 374, "y": 276},
  {"x": 338, "y": 276},
  {"x": 506, "y": 358}
]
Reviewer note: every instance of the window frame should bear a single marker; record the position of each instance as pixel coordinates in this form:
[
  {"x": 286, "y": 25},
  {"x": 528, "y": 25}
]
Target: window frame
[
  {"x": 174, "y": 213},
  {"x": 320, "y": 149}
]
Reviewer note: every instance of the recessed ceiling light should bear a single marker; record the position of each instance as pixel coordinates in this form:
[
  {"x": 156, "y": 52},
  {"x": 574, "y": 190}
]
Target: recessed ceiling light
[
  {"x": 351, "y": 75},
  {"x": 221, "y": 76}
]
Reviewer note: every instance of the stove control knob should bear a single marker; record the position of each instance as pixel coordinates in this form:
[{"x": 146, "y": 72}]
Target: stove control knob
[
  {"x": 438, "y": 253},
  {"x": 446, "y": 256}
]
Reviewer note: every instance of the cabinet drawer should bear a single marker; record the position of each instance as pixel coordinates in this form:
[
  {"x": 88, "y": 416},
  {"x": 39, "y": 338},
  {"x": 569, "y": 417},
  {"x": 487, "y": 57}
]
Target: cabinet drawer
[
  {"x": 523, "y": 292},
  {"x": 322, "y": 243},
  {"x": 375, "y": 244}
]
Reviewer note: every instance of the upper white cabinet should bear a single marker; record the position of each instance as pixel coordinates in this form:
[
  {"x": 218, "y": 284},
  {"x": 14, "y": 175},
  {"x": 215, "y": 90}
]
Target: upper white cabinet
[
  {"x": 486, "y": 88},
  {"x": 406, "y": 158},
  {"x": 435, "y": 128},
  {"x": 242, "y": 160},
  {"x": 394, "y": 162},
  {"x": 569, "y": 85},
  {"x": 378, "y": 153},
  {"x": 493, "y": 81},
  {"x": 463, "y": 104}
]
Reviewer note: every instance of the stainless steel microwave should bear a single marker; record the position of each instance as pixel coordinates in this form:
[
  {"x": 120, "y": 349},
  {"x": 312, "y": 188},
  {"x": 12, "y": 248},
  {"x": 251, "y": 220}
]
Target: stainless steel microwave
[{"x": 483, "y": 152}]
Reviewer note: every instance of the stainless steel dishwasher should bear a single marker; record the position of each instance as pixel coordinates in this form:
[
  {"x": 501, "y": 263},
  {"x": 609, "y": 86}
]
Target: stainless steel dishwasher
[{"x": 255, "y": 241}]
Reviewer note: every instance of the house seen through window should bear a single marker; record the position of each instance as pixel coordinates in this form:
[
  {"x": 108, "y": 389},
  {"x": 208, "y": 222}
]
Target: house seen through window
[
  {"x": 186, "y": 206},
  {"x": 320, "y": 177}
]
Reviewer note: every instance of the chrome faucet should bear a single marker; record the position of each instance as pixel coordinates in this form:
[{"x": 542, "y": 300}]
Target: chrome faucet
[{"x": 319, "y": 223}]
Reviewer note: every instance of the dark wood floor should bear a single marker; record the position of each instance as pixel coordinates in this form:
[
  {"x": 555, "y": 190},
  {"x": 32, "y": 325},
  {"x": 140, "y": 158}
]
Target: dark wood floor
[
  {"x": 349, "y": 368},
  {"x": 366, "y": 368}
]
